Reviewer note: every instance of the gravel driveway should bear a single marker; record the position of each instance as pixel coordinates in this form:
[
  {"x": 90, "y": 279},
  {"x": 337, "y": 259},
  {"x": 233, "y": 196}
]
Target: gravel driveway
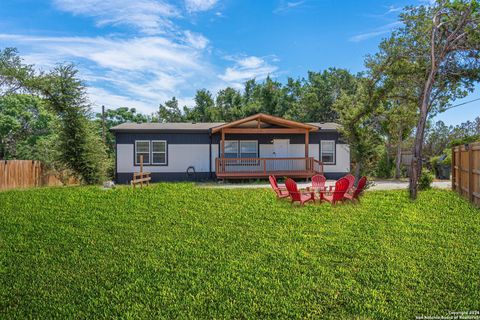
[{"x": 379, "y": 185}]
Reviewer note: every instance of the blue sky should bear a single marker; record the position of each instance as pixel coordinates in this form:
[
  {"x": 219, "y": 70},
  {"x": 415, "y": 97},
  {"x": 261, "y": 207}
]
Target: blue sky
[{"x": 140, "y": 53}]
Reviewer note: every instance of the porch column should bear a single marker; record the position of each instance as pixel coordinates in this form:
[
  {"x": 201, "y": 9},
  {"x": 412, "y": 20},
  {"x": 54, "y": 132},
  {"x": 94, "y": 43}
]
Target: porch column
[
  {"x": 307, "y": 134},
  {"x": 223, "y": 145}
]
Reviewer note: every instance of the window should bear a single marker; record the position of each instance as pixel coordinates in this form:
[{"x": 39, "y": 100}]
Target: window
[
  {"x": 159, "y": 152},
  {"x": 142, "y": 148},
  {"x": 231, "y": 149},
  {"x": 241, "y": 149},
  {"x": 327, "y": 152},
  {"x": 248, "y": 149}
]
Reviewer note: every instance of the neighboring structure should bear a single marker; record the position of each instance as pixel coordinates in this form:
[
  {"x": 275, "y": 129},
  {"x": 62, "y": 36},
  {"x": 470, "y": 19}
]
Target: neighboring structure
[{"x": 254, "y": 147}]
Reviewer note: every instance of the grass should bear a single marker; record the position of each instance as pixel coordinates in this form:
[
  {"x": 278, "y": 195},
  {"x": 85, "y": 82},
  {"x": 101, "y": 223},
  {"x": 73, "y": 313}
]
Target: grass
[{"x": 178, "y": 251}]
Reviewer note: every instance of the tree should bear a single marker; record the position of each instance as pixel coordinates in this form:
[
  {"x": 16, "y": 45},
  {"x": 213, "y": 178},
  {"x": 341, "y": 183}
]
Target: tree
[
  {"x": 170, "y": 112},
  {"x": 203, "y": 111},
  {"x": 229, "y": 104},
  {"x": 14, "y": 74},
  {"x": 442, "y": 41},
  {"x": 24, "y": 121},
  {"x": 437, "y": 138},
  {"x": 358, "y": 115},
  {"x": 81, "y": 148}
]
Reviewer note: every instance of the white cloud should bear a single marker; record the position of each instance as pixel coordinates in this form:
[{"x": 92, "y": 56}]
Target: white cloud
[
  {"x": 142, "y": 71},
  {"x": 199, "y": 5},
  {"x": 375, "y": 33},
  {"x": 196, "y": 40},
  {"x": 246, "y": 68},
  {"x": 149, "y": 16},
  {"x": 285, "y": 6}
]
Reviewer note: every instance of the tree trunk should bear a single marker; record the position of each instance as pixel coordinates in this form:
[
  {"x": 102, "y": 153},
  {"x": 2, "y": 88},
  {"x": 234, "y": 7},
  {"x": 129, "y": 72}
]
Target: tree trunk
[
  {"x": 398, "y": 171},
  {"x": 358, "y": 170},
  {"x": 416, "y": 164}
]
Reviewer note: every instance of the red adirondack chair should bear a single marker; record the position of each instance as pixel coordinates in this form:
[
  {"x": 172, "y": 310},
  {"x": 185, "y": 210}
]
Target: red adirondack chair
[
  {"x": 337, "y": 194},
  {"x": 281, "y": 192},
  {"x": 298, "y": 195},
  {"x": 318, "y": 181},
  {"x": 355, "y": 195},
  {"x": 318, "y": 184},
  {"x": 351, "y": 182}
]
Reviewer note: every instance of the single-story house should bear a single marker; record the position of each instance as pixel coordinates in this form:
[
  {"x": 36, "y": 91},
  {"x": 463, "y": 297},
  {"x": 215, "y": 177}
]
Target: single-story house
[{"x": 253, "y": 147}]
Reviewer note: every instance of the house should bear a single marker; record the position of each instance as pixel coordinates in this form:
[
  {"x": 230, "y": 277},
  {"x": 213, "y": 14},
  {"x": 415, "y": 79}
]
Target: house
[{"x": 253, "y": 147}]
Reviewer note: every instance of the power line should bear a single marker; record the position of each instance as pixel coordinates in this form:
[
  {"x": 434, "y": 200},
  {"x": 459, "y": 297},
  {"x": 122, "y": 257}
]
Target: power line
[{"x": 463, "y": 103}]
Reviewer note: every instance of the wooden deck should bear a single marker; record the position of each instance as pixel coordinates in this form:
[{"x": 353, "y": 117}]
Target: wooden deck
[{"x": 245, "y": 168}]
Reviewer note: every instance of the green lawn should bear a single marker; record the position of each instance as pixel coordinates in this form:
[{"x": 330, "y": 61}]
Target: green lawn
[{"x": 178, "y": 251}]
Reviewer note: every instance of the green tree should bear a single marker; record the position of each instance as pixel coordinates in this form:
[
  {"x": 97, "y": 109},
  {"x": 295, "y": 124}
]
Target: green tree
[
  {"x": 204, "y": 109},
  {"x": 442, "y": 42},
  {"x": 14, "y": 74},
  {"x": 82, "y": 150},
  {"x": 24, "y": 121},
  {"x": 229, "y": 104},
  {"x": 170, "y": 112}
]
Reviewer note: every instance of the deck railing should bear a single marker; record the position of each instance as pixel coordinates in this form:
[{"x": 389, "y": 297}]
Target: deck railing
[{"x": 258, "y": 167}]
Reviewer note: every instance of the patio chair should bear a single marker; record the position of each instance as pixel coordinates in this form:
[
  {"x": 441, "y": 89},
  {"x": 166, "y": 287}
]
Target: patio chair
[
  {"x": 337, "y": 194},
  {"x": 355, "y": 195},
  {"x": 318, "y": 184},
  {"x": 298, "y": 195},
  {"x": 351, "y": 182},
  {"x": 281, "y": 192}
]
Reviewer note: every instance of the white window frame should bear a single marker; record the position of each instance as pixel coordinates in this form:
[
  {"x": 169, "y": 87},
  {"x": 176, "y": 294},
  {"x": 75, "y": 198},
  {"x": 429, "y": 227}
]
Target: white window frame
[
  {"x": 165, "y": 152},
  {"x": 240, "y": 147},
  {"x": 149, "y": 152},
  {"x": 334, "y": 151}
]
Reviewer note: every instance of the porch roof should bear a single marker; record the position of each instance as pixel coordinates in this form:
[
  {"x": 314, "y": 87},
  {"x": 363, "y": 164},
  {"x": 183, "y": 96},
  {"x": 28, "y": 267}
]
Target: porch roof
[{"x": 260, "y": 122}]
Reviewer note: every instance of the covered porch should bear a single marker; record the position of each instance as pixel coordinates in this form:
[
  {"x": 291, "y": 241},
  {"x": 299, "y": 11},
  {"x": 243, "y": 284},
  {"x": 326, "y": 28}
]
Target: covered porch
[{"x": 229, "y": 166}]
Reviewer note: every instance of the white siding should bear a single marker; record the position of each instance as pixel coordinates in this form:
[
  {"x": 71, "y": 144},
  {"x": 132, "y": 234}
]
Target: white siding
[
  {"x": 342, "y": 160},
  {"x": 180, "y": 157},
  {"x": 214, "y": 155},
  {"x": 294, "y": 150}
]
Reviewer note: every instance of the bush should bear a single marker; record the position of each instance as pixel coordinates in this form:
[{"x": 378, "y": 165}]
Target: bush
[
  {"x": 426, "y": 179},
  {"x": 385, "y": 167}
]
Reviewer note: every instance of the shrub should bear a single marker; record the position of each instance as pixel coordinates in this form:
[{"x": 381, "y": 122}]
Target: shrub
[
  {"x": 426, "y": 179},
  {"x": 385, "y": 167}
]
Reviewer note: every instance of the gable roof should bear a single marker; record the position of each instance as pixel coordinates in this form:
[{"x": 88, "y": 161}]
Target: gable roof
[
  {"x": 265, "y": 118},
  {"x": 216, "y": 126},
  {"x": 168, "y": 126}
]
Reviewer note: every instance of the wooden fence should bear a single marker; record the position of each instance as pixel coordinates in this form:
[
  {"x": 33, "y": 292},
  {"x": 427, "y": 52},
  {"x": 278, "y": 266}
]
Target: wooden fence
[
  {"x": 26, "y": 174},
  {"x": 466, "y": 171}
]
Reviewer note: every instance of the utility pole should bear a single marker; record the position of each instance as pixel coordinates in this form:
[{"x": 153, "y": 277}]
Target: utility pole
[{"x": 103, "y": 126}]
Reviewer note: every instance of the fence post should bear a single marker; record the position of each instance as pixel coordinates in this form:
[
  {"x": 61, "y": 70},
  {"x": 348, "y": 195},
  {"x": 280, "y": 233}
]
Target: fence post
[
  {"x": 470, "y": 172},
  {"x": 459, "y": 166},
  {"x": 453, "y": 168}
]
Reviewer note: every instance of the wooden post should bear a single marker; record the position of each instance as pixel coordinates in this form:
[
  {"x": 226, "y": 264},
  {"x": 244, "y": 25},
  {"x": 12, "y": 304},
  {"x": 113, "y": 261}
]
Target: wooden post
[
  {"x": 223, "y": 144},
  {"x": 459, "y": 170},
  {"x": 307, "y": 136},
  {"x": 265, "y": 167},
  {"x": 222, "y": 155},
  {"x": 453, "y": 168},
  {"x": 141, "y": 171},
  {"x": 470, "y": 172}
]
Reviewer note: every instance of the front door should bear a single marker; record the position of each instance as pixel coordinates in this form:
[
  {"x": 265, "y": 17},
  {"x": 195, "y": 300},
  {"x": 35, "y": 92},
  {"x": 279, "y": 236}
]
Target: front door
[{"x": 280, "y": 150}]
